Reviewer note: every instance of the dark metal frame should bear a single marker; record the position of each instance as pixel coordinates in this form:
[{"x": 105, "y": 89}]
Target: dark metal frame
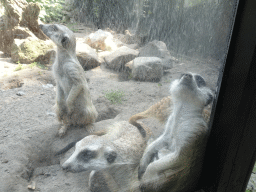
[{"x": 231, "y": 148}]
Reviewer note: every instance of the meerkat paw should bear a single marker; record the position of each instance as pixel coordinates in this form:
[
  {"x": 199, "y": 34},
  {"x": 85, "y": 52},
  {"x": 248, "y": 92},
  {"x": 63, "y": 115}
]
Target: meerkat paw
[
  {"x": 145, "y": 161},
  {"x": 62, "y": 131}
]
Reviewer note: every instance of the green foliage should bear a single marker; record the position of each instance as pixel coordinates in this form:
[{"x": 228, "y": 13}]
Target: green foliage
[
  {"x": 51, "y": 10},
  {"x": 35, "y": 64},
  {"x": 19, "y": 67},
  {"x": 114, "y": 96}
]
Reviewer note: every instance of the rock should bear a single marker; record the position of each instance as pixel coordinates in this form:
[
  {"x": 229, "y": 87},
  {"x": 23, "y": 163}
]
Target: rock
[
  {"x": 32, "y": 186},
  {"x": 120, "y": 57},
  {"x": 31, "y": 20},
  {"x": 28, "y": 50},
  {"x": 87, "y": 56},
  {"x": 20, "y": 93},
  {"x": 133, "y": 46},
  {"x": 47, "y": 58},
  {"x": 158, "y": 49},
  {"x": 102, "y": 40},
  {"x": 147, "y": 68},
  {"x": 22, "y": 33},
  {"x": 47, "y": 86},
  {"x": 6, "y": 41}
]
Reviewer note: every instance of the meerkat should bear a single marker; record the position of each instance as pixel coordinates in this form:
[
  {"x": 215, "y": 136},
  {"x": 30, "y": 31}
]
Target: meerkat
[
  {"x": 111, "y": 158},
  {"x": 174, "y": 160},
  {"x": 74, "y": 105},
  {"x": 162, "y": 109}
]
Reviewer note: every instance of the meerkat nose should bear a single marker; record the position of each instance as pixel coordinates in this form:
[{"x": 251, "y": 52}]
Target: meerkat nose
[{"x": 188, "y": 75}]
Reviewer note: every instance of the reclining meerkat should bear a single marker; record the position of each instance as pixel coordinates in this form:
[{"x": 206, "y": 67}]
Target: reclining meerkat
[
  {"x": 73, "y": 100},
  {"x": 111, "y": 158},
  {"x": 174, "y": 160},
  {"x": 163, "y": 109}
]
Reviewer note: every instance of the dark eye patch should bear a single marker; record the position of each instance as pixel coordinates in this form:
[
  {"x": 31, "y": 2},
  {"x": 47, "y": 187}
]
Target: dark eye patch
[
  {"x": 110, "y": 156},
  {"x": 200, "y": 81},
  {"x": 87, "y": 155}
]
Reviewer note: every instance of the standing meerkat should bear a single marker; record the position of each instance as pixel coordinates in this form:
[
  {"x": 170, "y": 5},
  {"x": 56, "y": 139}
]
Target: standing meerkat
[
  {"x": 174, "y": 160},
  {"x": 73, "y": 100}
]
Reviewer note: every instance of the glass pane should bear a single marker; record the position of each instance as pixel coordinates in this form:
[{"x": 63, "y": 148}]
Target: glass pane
[{"x": 108, "y": 95}]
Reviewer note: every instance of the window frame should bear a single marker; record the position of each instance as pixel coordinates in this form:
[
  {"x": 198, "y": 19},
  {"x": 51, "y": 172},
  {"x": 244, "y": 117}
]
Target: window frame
[{"x": 231, "y": 149}]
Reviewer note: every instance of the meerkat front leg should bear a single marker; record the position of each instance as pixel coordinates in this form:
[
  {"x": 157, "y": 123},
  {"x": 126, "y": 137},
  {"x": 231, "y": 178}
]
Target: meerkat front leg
[
  {"x": 167, "y": 165},
  {"x": 60, "y": 102},
  {"x": 74, "y": 92},
  {"x": 150, "y": 152}
]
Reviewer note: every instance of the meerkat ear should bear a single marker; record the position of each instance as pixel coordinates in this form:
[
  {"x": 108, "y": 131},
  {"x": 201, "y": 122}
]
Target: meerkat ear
[
  {"x": 65, "y": 41},
  {"x": 209, "y": 99}
]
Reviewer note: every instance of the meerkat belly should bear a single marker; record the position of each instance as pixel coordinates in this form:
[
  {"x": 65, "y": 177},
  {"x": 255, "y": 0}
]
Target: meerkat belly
[{"x": 65, "y": 86}]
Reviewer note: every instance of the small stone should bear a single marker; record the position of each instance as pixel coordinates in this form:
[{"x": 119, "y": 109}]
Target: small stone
[
  {"x": 51, "y": 114},
  {"x": 47, "y": 86},
  {"x": 32, "y": 186},
  {"x": 5, "y": 161},
  {"x": 20, "y": 93}
]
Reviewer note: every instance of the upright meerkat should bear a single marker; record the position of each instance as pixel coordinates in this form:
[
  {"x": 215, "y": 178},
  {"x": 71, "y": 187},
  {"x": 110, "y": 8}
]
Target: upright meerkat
[
  {"x": 173, "y": 161},
  {"x": 73, "y": 101}
]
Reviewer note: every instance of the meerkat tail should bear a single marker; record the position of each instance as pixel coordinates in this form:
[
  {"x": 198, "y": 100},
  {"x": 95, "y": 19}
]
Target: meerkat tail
[{"x": 161, "y": 111}]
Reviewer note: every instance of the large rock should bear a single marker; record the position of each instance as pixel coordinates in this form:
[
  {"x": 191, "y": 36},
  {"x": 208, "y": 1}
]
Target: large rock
[
  {"x": 147, "y": 68},
  {"x": 119, "y": 58},
  {"x": 28, "y": 50},
  {"x": 30, "y": 19},
  {"x": 102, "y": 40},
  {"x": 87, "y": 56},
  {"x": 6, "y": 41},
  {"x": 158, "y": 49},
  {"x": 22, "y": 33}
]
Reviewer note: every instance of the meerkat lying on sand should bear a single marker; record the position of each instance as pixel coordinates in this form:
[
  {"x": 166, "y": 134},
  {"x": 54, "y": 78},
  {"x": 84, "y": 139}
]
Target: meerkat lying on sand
[
  {"x": 173, "y": 161},
  {"x": 113, "y": 157},
  {"x": 73, "y": 101}
]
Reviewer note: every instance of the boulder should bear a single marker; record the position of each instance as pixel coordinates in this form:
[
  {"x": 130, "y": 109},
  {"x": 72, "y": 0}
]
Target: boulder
[
  {"x": 30, "y": 19},
  {"x": 102, "y": 40},
  {"x": 146, "y": 68},
  {"x": 28, "y": 50},
  {"x": 47, "y": 58},
  {"x": 87, "y": 56},
  {"x": 120, "y": 57},
  {"x": 6, "y": 41},
  {"x": 158, "y": 49},
  {"x": 22, "y": 33}
]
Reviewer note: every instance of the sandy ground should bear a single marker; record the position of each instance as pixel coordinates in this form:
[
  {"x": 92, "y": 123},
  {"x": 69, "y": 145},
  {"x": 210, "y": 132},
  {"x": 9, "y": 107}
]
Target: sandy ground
[{"x": 28, "y": 125}]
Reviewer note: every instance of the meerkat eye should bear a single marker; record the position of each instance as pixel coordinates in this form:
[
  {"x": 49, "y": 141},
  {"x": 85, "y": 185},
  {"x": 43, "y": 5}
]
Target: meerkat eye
[
  {"x": 110, "y": 156},
  {"x": 200, "y": 81},
  {"x": 64, "y": 39},
  {"x": 87, "y": 155}
]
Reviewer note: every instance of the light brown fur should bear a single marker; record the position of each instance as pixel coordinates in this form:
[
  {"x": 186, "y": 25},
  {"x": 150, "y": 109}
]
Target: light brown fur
[
  {"x": 74, "y": 105},
  {"x": 162, "y": 110}
]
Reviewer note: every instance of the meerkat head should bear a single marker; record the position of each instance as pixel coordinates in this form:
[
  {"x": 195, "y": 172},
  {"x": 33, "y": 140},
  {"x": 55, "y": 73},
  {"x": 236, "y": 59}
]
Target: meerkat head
[
  {"x": 91, "y": 153},
  {"x": 191, "y": 88},
  {"x": 60, "y": 35}
]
